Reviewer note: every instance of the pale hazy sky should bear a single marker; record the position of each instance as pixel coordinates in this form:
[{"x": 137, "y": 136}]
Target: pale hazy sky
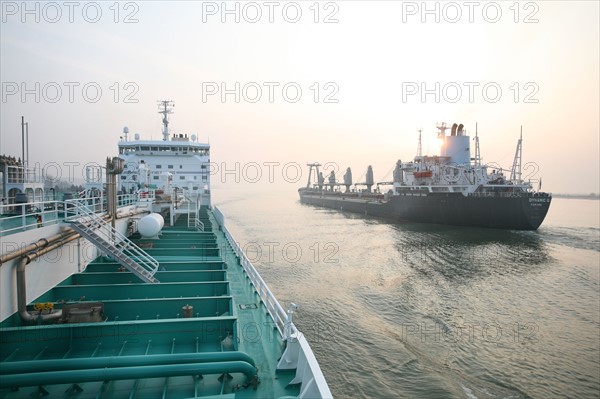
[{"x": 369, "y": 56}]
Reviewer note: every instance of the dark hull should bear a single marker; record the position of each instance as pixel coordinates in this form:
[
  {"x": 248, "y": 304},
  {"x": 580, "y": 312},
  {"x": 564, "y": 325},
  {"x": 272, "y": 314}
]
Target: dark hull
[{"x": 524, "y": 212}]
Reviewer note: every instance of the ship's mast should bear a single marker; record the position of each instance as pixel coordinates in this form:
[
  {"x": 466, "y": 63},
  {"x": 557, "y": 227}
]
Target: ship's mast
[
  {"x": 477, "y": 153},
  {"x": 515, "y": 173},
  {"x": 419, "y": 148},
  {"x": 165, "y": 108},
  {"x": 442, "y": 127}
]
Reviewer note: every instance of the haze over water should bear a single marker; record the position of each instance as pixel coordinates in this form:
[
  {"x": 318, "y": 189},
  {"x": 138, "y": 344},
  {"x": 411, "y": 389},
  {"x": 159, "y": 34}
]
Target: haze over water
[{"x": 429, "y": 311}]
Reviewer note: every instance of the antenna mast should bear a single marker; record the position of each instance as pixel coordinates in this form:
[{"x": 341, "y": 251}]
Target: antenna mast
[
  {"x": 419, "y": 148},
  {"x": 165, "y": 107},
  {"x": 477, "y": 152},
  {"x": 515, "y": 173}
]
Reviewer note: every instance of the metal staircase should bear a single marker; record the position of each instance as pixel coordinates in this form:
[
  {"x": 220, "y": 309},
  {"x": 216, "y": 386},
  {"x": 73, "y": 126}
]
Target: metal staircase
[
  {"x": 112, "y": 243},
  {"x": 194, "y": 222},
  {"x": 193, "y": 219}
]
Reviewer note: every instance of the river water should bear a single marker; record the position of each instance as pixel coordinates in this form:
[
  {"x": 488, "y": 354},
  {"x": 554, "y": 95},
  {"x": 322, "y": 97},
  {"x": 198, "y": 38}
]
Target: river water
[{"x": 426, "y": 311}]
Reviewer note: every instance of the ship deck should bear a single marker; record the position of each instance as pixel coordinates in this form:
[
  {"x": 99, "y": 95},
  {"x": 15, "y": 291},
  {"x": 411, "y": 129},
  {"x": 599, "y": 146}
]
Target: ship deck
[{"x": 145, "y": 347}]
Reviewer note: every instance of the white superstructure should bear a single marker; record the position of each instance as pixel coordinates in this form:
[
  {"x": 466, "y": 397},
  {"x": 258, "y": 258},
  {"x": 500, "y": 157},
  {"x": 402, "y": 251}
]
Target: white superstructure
[
  {"x": 175, "y": 165},
  {"x": 455, "y": 171}
]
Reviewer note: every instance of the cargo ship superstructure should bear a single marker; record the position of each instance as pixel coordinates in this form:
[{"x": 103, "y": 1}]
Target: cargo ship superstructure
[
  {"x": 106, "y": 299},
  {"x": 168, "y": 167},
  {"x": 452, "y": 188}
]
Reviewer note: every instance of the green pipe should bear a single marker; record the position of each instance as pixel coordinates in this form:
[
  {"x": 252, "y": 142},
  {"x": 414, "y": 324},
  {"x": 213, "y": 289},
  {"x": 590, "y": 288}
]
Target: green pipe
[
  {"x": 124, "y": 373},
  {"x": 32, "y": 366}
]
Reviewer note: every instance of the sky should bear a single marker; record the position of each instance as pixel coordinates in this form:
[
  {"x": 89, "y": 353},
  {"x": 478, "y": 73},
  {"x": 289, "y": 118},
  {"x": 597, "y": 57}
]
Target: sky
[{"x": 279, "y": 84}]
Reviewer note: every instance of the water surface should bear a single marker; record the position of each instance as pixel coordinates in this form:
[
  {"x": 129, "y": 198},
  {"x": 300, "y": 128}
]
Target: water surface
[{"x": 429, "y": 311}]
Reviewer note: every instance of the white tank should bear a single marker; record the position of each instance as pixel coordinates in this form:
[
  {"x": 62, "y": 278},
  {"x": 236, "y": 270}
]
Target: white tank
[{"x": 150, "y": 225}]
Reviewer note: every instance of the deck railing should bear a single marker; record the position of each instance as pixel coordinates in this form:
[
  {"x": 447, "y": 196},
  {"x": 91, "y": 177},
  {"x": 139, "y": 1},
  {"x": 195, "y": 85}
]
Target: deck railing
[
  {"x": 298, "y": 354},
  {"x": 15, "y": 218},
  {"x": 20, "y": 217},
  {"x": 274, "y": 308}
]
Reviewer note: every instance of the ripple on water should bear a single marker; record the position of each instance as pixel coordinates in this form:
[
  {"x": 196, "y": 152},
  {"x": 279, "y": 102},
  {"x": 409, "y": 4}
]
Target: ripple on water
[{"x": 417, "y": 310}]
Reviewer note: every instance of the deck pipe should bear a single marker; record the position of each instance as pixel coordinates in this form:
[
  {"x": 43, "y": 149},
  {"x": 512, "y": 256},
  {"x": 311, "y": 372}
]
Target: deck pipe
[
  {"x": 43, "y": 242},
  {"x": 124, "y": 373},
  {"x": 34, "y": 366},
  {"x": 40, "y": 247},
  {"x": 22, "y": 286}
]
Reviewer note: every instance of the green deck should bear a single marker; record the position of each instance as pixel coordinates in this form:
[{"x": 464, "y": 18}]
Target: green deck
[{"x": 145, "y": 348}]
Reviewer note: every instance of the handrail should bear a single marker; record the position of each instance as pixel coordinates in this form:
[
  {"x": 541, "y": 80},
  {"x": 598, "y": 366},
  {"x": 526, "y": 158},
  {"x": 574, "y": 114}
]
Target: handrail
[
  {"x": 298, "y": 353},
  {"x": 274, "y": 308},
  {"x": 15, "y": 220},
  {"x": 193, "y": 219},
  {"x": 113, "y": 236}
]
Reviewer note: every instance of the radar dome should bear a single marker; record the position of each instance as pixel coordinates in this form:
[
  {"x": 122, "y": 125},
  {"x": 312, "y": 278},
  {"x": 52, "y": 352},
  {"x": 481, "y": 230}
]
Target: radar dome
[
  {"x": 125, "y": 130},
  {"x": 137, "y": 136},
  {"x": 150, "y": 225},
  {"x": 194, "y": 137}
]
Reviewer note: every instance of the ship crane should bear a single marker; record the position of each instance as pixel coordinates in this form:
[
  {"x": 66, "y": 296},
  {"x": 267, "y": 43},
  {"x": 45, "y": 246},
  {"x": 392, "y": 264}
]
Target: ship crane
[
  {"x": 515, "y": 173},
  {"x": 316, "y": 166}
]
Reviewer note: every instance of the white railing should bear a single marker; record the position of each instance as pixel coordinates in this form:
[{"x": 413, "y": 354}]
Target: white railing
[
  {"x": 15, "y": 218},
  {"x": 91, "y": 204},
  {"x": 20, "y": 217},
  {"x": 106, "y": 232},
  {"x": 146, "y": 196},
  {"x": 193, "y": 221},
  {"x": 126, "y": 200},
  {"x": 298, "y": 353},
  {"x": 274, "y": 308}
]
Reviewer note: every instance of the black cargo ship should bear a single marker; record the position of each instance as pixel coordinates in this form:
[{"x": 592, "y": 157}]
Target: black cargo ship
[{"x": 451, "y": 188}]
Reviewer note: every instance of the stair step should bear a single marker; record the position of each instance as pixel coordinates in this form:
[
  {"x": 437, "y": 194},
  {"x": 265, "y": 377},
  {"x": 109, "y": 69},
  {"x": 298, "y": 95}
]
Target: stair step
[{"x": 117, "y": 251}]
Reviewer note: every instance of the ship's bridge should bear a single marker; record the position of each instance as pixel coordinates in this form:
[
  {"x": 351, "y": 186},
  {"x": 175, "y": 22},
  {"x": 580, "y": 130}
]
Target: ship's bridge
[{"x": 155, "y": 147}]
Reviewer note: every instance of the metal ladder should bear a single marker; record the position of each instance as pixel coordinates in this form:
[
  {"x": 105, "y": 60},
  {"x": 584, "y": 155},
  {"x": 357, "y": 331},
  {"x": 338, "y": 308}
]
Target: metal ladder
[
  {"x": 193, "y": 220},
  {"x": 114, "y": 244}
]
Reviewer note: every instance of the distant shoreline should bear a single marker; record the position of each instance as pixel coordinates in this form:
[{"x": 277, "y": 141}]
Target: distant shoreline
[{"x": 577, "y": 196}]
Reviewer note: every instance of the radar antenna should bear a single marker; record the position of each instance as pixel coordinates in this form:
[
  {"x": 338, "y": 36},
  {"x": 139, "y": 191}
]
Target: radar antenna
[
  {"x": 442, "y": 127},
  {"x": 165, "y": 107}
]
